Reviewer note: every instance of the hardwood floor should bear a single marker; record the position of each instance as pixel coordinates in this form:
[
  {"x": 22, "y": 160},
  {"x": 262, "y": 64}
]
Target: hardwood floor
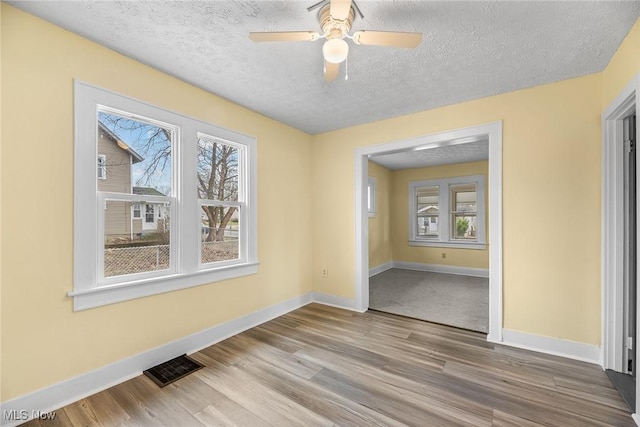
[{"x": 323, "y": 366}]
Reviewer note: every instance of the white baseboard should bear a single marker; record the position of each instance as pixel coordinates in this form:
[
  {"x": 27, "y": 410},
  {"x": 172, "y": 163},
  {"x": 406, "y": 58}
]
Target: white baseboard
[
  {"x": 556, "y": 346},
  {"x": 71, "y": 390},
  {"x": 334, "y": 301},
  {"x": 439, "y": 268},
  {"x": 380, "y": 268},
  {"x": 636, "y": 418}
]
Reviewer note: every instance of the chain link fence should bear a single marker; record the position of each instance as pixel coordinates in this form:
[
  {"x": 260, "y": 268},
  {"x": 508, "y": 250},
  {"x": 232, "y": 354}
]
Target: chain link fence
[
  {"x": 219, "y": 251},
  {"x": 139, "y": 259},
  {"x": 119, "y": 261}
]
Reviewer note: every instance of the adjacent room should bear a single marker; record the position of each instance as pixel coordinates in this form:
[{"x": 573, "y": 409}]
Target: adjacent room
[
  {"x": 326, "y": 212},
  {"x": 435, "y": 266}
]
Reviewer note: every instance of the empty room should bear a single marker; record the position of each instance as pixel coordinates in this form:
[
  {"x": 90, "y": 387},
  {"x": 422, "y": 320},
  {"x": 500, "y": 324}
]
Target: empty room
[
  {"x": 434, "y": 264},
  {"x": 197, "y": 196}
]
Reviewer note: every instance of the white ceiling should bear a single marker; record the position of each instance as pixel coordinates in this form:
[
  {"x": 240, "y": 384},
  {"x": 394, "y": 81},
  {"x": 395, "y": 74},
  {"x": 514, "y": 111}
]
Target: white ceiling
[
  {"x": 459, "y": 153},
  {"x": 470, "y": 49}
]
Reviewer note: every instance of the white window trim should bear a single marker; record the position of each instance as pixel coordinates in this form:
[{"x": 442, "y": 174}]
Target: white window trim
[
  {"x": 444, "y": 239},
  {"x": 371, "y": 188},
  {"x": 87, "y": 291}
]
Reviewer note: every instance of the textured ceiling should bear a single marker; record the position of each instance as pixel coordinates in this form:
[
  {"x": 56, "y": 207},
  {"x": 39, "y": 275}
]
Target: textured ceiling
[
  {"x": 460, "y": 153},
  {"x": 469, "y": 50}
]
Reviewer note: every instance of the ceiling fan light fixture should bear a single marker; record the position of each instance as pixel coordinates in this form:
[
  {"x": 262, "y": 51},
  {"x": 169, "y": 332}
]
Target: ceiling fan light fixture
[{"x": 335, "y": 50}]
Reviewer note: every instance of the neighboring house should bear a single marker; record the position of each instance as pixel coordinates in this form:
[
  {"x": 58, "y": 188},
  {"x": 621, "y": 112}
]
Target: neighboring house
[
  {"x": 151, "y": 215},
  {"x": 124, "y": 220},
  {"x": 428, "y": 220}
]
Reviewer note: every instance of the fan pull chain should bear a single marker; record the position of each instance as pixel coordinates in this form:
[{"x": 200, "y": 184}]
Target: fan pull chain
[{"x": 346, "y": 69}]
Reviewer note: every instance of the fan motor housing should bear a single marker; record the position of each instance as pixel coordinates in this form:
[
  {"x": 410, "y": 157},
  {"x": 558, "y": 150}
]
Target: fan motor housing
[{"x": 334, "y": 28}]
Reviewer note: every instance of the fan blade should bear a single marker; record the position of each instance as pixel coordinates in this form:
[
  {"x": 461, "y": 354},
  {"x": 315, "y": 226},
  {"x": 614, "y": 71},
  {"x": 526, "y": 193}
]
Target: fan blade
[
  {"x": 387, "y": 38},
  {"x": 331, "y": 71},
  {"x": 340, "y": 9},
  {"x": 284, "y": 36}
]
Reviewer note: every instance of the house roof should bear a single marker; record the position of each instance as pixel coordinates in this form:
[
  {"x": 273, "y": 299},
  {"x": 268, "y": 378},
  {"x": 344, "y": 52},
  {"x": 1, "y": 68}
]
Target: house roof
[
  {"x": 146, "y": 191},
  {"x": 137, "y": 158}
]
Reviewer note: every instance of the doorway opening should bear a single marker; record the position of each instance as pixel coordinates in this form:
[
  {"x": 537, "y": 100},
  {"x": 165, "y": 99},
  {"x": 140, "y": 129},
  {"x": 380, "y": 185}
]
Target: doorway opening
[
  {"x": 625, "y": 381},
  {"x": 428, "y": 249},
  {"x": 492, "y": 133},
  {"x": 619, "y": 240}
]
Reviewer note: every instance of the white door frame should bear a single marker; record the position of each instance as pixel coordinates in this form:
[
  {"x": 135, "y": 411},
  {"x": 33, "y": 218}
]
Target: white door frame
[
  {"x": 492, "y": 131},
  {"x": 613, "y": 226}
]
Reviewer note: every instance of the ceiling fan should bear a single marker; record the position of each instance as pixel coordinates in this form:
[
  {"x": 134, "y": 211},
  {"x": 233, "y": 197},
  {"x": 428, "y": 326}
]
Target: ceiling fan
[{"x": 335, "y": 18}]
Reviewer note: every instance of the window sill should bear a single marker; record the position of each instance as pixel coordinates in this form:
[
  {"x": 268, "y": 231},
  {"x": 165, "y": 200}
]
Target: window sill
[
  {"x": 104, "y": 295},
  {"x": 440, "y": 244}
]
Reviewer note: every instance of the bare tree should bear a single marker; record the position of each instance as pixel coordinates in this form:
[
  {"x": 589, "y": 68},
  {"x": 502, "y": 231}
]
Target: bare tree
[
  {"x": 217, "y": 180},
  {"x": 151, "y": 142},
  {"x": 217, "y": 167}
]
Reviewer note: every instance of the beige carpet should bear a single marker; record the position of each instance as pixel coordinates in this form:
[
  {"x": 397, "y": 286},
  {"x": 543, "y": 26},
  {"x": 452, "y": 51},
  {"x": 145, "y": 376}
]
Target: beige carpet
[{"x": 461, "y": 301}]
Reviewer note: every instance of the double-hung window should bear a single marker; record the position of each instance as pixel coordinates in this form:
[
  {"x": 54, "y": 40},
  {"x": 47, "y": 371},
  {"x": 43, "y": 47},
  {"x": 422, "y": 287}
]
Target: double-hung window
[
  {"x": 427, "y": 202},
  {"x": 222, "y": 199},
  {"x": 464, "y": 211},
  {"x": 177, "y": 208},
  {"x": 448, "y": 212}
]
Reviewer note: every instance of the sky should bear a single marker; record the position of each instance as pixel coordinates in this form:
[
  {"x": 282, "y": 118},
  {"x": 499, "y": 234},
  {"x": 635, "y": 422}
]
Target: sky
[{"x": 137, "y": 135}]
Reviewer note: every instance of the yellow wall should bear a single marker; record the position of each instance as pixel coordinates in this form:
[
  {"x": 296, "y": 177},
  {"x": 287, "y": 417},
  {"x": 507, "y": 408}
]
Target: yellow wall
[
  {"x": 551, "y": 197},
  {"x": 624, "y": 65},
  {"x": 402, "y": 251},
  {"x": 551, "y": 201},
  {"x": 379, "y": 226},
  {"x": 43, "y": 340}
]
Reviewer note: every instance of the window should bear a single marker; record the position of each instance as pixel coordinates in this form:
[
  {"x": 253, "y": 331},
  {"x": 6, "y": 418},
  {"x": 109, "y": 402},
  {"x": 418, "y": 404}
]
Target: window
[
  {"x": 171, "y": 177},
  {"x": 222, "y": 198},
  {"x": 102, "y": 166},
  {"x": 371, "y": 197},
  {"x": 464, "y": 211},
  {"x": 149, "y": 217},
  {"x": 427, "y": 211},
  {"x": 448, "y": 212},
  {"x": 136, "y": 210}
]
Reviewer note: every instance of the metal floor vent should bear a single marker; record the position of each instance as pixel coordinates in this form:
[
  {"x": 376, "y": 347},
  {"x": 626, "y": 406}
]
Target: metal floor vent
[{"x": 172, "y": 370}]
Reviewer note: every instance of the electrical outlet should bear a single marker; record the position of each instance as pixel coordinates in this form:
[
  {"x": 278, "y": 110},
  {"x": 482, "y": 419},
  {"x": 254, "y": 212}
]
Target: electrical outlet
[
  {"x": 444, "y": 255},
  {"x": 325, "y": 272}
]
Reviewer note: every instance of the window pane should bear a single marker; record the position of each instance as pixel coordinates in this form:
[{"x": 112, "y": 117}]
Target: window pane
[
  {"x": 220, "y": 232},
  {"x": 465, "y": 227},
  {"x": 135, "y": 245},
  {"x": 464, "y": 198},
  {"x": 428, "y": 226},
  {"x": 427, "y": 200},
  {"x": 138, "y": 156},
  {"x": 217, "y": 170}
]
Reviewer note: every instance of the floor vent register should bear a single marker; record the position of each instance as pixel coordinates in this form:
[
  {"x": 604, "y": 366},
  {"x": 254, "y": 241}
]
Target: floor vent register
[{"x": 172, "y": 370}]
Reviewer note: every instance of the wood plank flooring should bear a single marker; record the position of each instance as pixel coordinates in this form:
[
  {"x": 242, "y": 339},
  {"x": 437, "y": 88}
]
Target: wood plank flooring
[{"x": 323, "y": 366}]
